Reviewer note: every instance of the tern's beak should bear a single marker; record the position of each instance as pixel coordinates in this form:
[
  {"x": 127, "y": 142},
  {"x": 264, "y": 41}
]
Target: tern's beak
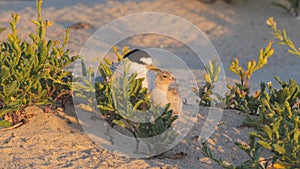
[{"x": 152, "y": 67}]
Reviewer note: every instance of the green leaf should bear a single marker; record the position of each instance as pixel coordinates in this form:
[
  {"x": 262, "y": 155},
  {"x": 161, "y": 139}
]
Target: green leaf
[
  {"x": 207, "y": 78},
  {"x": 120, "y": 123},
  {"x": 108, "y": 62},
  {"x": 268, "y": 131},
  {"x": 4, "y": 123},
  {"x": 265, "y": 144},
  {"x": 11, "y": 89},
  {"x": 289, "y": 109},
  {"x": 138, "y": 104},
  {"x": 278, "y": 148},
  {"x": 106, "y": 107},
  {"x": 35, "y": 22},
  {"x": 296, "y": 136},
  {"x": 5, "y": 72}
]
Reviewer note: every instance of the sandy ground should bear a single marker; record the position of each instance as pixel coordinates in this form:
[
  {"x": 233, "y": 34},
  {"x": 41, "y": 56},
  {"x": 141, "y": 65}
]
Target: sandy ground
[{"x": 56, "y": 140}]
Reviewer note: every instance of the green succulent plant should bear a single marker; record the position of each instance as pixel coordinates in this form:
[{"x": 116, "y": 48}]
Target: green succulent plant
[
  {"x": 281, "y": 118},
  {"x": 277, "y": 129},
  {"x": 281, "y": 35},
  {"x": 253, "y": 151},
  {"x": 31, "y": 73},
  {"x": 239, "y": 95},
  {"x": 205, "y": 93}
]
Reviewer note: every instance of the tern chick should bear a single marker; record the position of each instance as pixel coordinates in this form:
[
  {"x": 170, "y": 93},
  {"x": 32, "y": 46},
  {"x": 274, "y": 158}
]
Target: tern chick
[
  {"x": 174, "y": 98},
  {"x": 166, "y": 91}
]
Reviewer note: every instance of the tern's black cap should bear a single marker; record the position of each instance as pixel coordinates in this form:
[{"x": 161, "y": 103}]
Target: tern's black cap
[{"x": 136, "y": 56}]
